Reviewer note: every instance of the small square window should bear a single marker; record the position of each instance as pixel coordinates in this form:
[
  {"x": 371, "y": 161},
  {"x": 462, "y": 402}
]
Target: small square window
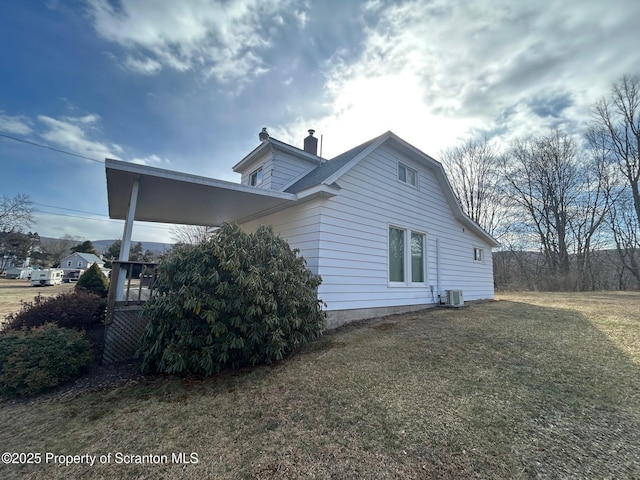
[
  {"x": 407, "y": 175},
  {"x": 256, "y": 178},
  {"x": 478, "y": 254}
]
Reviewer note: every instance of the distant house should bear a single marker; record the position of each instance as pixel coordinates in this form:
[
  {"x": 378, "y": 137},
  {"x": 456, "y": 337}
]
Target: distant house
[
  {"x": 19, "y": 273},
  {"x": 380, "y": 222},
  {"x": 80, "y": 261}
]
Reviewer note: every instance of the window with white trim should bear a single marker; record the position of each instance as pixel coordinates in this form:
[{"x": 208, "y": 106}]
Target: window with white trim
[
  {"x": 406, "y": 256},
  {"x": 407, "y": 175},
  {"x": 255, "y": 178},
  {"x": 69, "y": 263},
  {"x": 478, "y": 254}
]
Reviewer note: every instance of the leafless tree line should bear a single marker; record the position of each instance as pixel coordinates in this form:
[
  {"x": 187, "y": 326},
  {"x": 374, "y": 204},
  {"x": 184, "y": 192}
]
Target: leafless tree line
[{"x": 565, "y": 208}]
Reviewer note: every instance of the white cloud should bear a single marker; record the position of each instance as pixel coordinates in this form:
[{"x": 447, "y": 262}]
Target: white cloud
[
  {"x": 145, "y": 66},
  {"x": 71, "y": 133},
  {"x": 436, "y": 71},
  {"x": 152, "y": 160},
  {"x": 15, "y": 125},
  {"x": 218, "y": 37}
]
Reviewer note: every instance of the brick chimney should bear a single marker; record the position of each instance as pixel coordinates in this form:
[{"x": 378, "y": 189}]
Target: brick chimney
[
  {"x": 263, "y": 135},
  {"x": 311, "y": 143}
]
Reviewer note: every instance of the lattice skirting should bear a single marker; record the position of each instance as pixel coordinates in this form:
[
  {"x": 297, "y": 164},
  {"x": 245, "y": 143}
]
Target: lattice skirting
[{"x": 122, "y": 335}]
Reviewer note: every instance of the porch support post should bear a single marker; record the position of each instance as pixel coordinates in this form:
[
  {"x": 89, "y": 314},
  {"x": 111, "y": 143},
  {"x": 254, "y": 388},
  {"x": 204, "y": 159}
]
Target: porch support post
[{"x": 126, "y": 239}]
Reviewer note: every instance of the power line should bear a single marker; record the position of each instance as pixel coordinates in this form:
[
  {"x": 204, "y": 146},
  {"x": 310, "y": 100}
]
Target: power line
[
  {"x": 68, "y": 209},
  {"x": 51, "y": 148},
  {"x": 102, "y": 219}
]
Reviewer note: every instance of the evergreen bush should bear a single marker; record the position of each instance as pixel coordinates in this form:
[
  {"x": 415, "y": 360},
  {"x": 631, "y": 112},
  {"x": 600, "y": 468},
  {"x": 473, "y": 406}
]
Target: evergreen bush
[
  {"x": 76, "y": 309},
  {"x": 236, "y": 299},
  {"x": 93, "y": 280},
  {"x": 35, "y": 360}
]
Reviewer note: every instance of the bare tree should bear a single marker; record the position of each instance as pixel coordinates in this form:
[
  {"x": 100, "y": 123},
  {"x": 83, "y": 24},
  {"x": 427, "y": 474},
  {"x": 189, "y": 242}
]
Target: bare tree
[
  {"x": 617, "y": 124},
  {"x": 542, "y": 178},
  {"x": 189, "y": 234},
  {"x": 473, "y": 171},
  {"x": 16, "y": 214}
]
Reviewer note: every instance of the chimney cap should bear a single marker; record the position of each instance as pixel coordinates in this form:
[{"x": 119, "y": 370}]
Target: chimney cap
[
  {"x": 311, "y": 132},
  {"x": 263, "y": 135}
]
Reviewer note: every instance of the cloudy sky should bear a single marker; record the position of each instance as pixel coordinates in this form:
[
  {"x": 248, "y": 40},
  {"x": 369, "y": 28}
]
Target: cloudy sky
[{"x": 187, "y": 85}]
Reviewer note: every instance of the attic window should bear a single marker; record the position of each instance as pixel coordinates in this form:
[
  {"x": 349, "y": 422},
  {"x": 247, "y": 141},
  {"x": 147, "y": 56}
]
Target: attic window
[
  {"x": 478, "y": 254},
  {"x": 407, "y": 175},
  {"x": 255, "y": 178}
]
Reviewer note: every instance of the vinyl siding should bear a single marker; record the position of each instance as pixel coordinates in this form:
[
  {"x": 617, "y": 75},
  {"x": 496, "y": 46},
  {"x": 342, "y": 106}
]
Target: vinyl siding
[
  {"x": 353, "y": 240},
  {"x": 278, "y": 169},
  {"x": 299, "y": 225}
]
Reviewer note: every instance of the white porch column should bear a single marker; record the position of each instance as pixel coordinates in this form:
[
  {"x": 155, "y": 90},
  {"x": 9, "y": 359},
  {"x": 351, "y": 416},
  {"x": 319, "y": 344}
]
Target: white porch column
[{"x": 126, "y": 238}]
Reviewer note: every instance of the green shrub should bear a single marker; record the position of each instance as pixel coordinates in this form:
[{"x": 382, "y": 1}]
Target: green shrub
[
  {"x": 35, "y": 360},
  {"x": 237, "y": 299},
  {"x": 77, "y": 309},
  {"x": 93, "y": 280}
]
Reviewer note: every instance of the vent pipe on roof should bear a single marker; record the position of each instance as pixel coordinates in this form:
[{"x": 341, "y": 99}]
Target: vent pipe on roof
[
  {"x": 263, "y": 135},
  {"x": 311, "y": 143}
]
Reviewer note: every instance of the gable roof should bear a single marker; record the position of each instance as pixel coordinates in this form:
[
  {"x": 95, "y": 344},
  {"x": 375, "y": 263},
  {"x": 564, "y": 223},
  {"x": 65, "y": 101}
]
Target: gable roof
[
  {"x": 328, "y": 169},
  {"x": 271, "y": 144},
  {"x": 87, "y": 257},
  {"x": 329, "y": 172}
]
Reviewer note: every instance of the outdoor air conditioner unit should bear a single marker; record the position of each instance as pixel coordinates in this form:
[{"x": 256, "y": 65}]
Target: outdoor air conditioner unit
[{"x": 454, "y": 298}]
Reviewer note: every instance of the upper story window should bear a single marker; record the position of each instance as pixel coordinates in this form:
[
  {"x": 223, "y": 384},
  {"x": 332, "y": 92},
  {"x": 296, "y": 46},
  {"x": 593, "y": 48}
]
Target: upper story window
[
  {"x": 255, "y": 178},
  {"x": 478, "y": 254},
  {"x": 407, "y": 175}
]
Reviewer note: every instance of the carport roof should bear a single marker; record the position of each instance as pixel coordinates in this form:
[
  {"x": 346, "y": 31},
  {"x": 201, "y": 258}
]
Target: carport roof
[{"x": 167, "y": 196}]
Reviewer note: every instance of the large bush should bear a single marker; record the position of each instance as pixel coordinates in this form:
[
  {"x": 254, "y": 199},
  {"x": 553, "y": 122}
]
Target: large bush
[
  {"x": 41, "y": 358},
  {"x": 77, "y": 309},
  {"x": 93, "y": 280},
  {"x": 236, "y": 299}
]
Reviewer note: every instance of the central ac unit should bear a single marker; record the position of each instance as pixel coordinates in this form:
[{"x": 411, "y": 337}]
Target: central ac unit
[{"x": 454, "y": 298}]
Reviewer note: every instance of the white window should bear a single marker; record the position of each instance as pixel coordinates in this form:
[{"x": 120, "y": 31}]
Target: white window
[
  {"x": 406, "y": 256},
  {"x": 69, "y": 263},
  {"x": 478, "y": 254},
  {"x": 79, "y": 263},
  {"x": 256, "y": 177},
  {"x": 407, "y": 175}
]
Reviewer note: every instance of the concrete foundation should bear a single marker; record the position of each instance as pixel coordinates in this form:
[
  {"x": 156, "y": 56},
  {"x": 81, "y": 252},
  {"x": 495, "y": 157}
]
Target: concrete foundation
[{"x": 337, "y": 318}]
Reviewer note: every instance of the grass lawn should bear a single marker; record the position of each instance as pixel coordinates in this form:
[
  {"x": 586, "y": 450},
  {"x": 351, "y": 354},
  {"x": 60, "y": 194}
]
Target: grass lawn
[
  {"x": 532, "y": 386},
  {"x": 12, "y": 292}
]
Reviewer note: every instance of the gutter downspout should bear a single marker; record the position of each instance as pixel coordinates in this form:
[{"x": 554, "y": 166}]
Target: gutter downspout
[{"x": 438, "y": 280}]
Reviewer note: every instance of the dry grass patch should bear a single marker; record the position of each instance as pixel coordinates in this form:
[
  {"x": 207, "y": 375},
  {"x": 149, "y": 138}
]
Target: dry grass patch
[
  {"x": 534, "y": 386},
  {"x": 13, "y": 292}
]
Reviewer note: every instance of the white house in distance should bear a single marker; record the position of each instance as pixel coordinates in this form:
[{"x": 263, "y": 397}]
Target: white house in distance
[
  {"x": 380, "y": 222},
  {"x": 80, "y": 261}
]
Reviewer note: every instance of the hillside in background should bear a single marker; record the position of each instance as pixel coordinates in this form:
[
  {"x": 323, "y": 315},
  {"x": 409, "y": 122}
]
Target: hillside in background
[{"x": 102, "y": 245}]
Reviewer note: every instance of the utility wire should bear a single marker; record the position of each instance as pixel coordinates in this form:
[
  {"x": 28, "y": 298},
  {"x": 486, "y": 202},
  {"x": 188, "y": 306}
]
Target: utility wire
[
  {"x": 51, "y": 148},
  {"x": 102, "y": 219}
]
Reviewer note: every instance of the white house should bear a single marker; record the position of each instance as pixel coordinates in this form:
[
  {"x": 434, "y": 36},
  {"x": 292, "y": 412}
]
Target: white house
[
  {"x": 80, "y": 261},
  {"x": 379, "y": 223}
]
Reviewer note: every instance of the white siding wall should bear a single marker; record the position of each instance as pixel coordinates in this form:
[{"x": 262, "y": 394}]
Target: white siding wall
[
  {"x": 266, "y": 163},
  {"x": 299, "y": 225},
  {"x": 278, "y": 169},
  {"x": 286, "y": 168},
  {"x": 353, "y": 239}
]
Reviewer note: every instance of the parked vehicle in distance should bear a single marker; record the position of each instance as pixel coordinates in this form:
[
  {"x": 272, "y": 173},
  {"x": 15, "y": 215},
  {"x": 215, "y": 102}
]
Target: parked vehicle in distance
[
  {"x": 46, "y": 277},
  {"x": 71, "y": 275}
]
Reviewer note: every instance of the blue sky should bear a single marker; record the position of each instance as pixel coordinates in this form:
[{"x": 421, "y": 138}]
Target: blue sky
[{"x": 188, "y": 85}]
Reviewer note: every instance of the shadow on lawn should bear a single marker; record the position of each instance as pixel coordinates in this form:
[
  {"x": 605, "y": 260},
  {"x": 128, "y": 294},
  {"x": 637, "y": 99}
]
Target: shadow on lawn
[{"x": 545, "y": 386}]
